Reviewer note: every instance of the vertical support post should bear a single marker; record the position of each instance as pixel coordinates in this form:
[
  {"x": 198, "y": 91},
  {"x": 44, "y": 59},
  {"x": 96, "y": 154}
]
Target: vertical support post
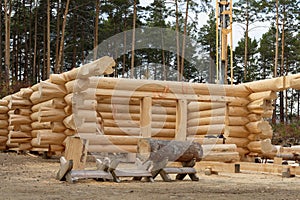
[
  {"x": 181, "y": 120},
  {"x": 146, "y": 117},
  {"x": 76, "y": 150}
]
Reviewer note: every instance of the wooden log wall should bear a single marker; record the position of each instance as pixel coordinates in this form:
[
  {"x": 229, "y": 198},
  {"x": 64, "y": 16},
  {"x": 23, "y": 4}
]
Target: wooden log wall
[
  {"x": 112, "y": 114},
  {"x": 3, "y": 124}
]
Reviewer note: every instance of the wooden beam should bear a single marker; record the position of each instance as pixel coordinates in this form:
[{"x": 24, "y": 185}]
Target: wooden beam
[
  {"x": 181, "y": 120},
  {"x": 146, "y": 117}
]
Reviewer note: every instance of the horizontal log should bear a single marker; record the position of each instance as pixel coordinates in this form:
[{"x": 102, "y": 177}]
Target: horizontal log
[
  {"x": 242, "y": 151},
  {"x": 58, "y": 127},
  {"x": 206, "y": 121},
  {"x": 238, "y": 111},
  {"x": 214, "y": 129},
  {"x": 80, "y": 84},
  {"x": 18, "y": 140},
  {"x": 207, "y": 113},
  {"x": 237, "y": 121},
  {"x": 163, "y": 125},
  {"x": 19, "y": 134},
  {"x": 25, "y": 146},
  {"x": 4, "y": 116},
  {"x": 174, "y": 87},
  {"x": 200, "y": 106},
  {"x": 201, "y": 139},
  {"x": 69, "y": 132},
  {"x": 37, "y": 147},
  {"x": 137, "y": 132},
  {"x": 23, "y": 111},
  {"x": 113, "y": 148},
  {"x": 3, "y": 109},
  {"x": 261, "y": 147},
  {"x": 56, "y": 148},
  {"x": 3, "y": 139},
  {"x": 207, "y": 148},
  {"x": 35, "y": 133},
  {"x": 3, "y": 124},
  {"x": 19, "y": 119},
  {"x": 52, "y": 89},
  {"x": 25, "y": 92},
  {"x": 15, "y": 103},
  {"x": 258, "y": 127},
  {"x": 121, "y": 123},
  {"x": 110, "y": 140},
  {"x": 58, "y": 79},
  {"x": 240, "y": 142},
  {"x": 3, "y": 102},
  {"x": 120, "y": 116},
  {"x": 52, "y": 103},
  {"x": 41, "y": 125},
  {"x": 49, "y": 139},
  {"x": 69, "y": 98},
  {"x": 86, "y": 105},
  {"x": 100, "y": 66},
  {"x": 254, "y": 117},
  {"x": 266, "y": 95},
  {"x": 3, "y": 132},
  {"x": 227, "y": 157},
  {"x": 236, "y": 131},
  {"x": 274, "y": 84}
]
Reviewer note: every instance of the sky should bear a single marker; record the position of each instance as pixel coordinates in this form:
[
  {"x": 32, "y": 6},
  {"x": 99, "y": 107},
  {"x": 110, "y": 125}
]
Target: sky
[{"x": 238, "y": 32}]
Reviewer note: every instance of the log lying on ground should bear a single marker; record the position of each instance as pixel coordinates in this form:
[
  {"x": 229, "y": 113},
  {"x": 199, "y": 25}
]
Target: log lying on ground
[
  {"x": 159, "y": 150},
  {"x": 261, "y": 147}
]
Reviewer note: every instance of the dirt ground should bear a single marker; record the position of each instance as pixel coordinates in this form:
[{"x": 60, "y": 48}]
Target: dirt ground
[{"x": 26, "y": 177}]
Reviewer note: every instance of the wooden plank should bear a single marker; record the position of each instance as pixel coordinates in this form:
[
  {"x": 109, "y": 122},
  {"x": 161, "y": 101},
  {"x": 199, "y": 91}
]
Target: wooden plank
[
  {"x": 146, "y": 116},
  {"x": 181, "y": 120},
  {"x": 76, "y": 150}
]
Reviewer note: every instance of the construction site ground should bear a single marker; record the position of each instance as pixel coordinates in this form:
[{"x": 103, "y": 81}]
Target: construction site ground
[{"x": 30, "y": 177}]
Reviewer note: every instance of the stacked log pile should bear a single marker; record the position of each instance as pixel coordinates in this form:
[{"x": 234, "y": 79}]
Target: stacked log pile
[
  {"x": 3, "y": 124},
  {"x": 19, "y": 105},
  {"x": 112, "y": 114},
  {"x": 48, "y": 114}
]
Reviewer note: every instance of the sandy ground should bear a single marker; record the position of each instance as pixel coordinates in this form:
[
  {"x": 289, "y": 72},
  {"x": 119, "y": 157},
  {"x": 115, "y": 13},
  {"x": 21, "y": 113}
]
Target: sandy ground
[{"x": 26, "y": 177}]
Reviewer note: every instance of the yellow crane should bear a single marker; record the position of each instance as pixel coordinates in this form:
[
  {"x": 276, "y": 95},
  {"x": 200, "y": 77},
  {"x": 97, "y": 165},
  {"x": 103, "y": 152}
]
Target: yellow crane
[{"x": 223, "y": 29}]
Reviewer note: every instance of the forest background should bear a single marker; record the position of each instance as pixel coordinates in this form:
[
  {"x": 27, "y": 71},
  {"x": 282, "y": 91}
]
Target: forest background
[{"x": 40, "y": 37}]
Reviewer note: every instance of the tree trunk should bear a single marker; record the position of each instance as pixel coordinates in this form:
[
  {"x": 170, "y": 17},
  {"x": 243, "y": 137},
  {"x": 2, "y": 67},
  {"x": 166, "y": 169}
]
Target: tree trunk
[
  {"x": 133, "y": 40},
  {"x": 96, "y": 29},
  {"x": 246, "y": 44},
  {"x": 177, "y": 40},
  {"x": 184, "y": 40},
  {"x": 7, "y": 12},
  {"x": 159, "y": 150},
  {"x": 61, "y": 46},
  {"x": 48, "y": 39},
  {"x": 34, "y": 77},
  {"x": 57, "y": 35}
]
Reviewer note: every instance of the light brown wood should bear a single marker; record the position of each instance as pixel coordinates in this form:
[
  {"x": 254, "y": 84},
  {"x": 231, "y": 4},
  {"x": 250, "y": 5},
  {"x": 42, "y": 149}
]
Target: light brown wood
[
  {"x": 57, "y": 79},
  {"x": 23, "y": 111},
  {"x": 227, "y": 157},
  {"x": 146, "y": 117},
  {"x": 58, "y": 127},
  {"x": 110, "y": 140},
  {"x": 3, "y": 139},
  {"x": 19, "y": 134},
  {"x": 206, "y": 121},
  {"x": 3, "y": 124},
  {"x": 53, "y": 103},
  {"x": 207, "y": 113},
  {"x": 200, "y": 106},
  {"x": 4, "y": 116},
  {"x": 121, "y": 123},
  {"x": 53, "y": 138},
  {"x": 218, "y": 148},
  {"x": 240, "y": 142},
  {"x": 25, "y": 146},
  {"x": 238, "y": 111},
  {"x": 35, "y": 133},
  {"x": 266, "y": 95},
  {"x": 41, "y": 125},
  {"x": 236, "y": 131},
  {"x": 69, "y": 132},
  {"x": 201, "y": 139},
  {"x": 3, "y": 132},
  {"x": 163, "y": 87},
  {"x": 76, "y": 150},
  {"x": 215, "y": 129},
  {"x": 101, "y": 66},
  {"x": 3, "y": 102},
  {"x": 181, "y": 120},
  {"x": 159, "y": 150},
  {"x": 261, "y": 147},
  {"x": 113, "y": 148},
  {"x": 19, "y": 119},
  {"x": 3, "y": 109}
]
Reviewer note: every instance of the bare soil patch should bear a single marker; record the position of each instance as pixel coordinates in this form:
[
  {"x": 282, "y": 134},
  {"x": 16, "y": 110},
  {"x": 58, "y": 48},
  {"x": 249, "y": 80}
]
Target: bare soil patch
[{"x": 27, "y": 177}]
